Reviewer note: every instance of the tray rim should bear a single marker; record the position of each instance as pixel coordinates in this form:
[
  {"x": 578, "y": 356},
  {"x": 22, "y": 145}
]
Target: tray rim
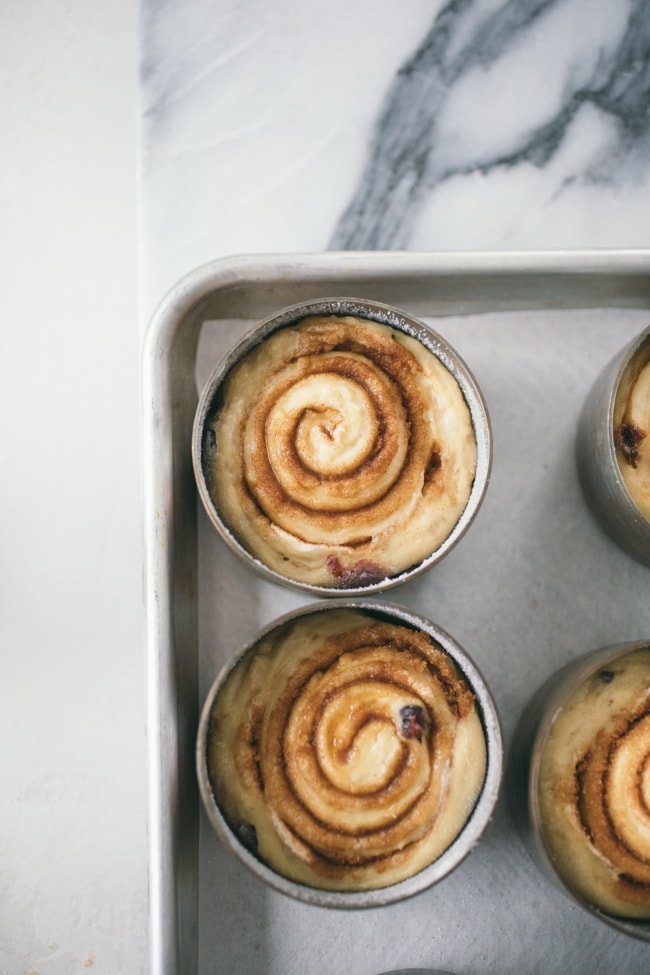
[
  {"x": 164, "y": 736},
  {"x": 224, "y": 271}
]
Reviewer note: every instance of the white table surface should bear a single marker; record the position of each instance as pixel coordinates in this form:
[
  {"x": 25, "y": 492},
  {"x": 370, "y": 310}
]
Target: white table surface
[
  {"x": 73, "y": 884},
  {"x": 256, "y": 127}
]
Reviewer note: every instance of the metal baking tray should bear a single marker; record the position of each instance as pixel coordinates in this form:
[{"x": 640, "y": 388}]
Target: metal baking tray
[{"x": 534, "y": 583}]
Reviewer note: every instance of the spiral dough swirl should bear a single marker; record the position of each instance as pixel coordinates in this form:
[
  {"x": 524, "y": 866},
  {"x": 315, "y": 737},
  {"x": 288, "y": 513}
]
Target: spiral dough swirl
[
  {"x": 345, "y": 451},
  {"x": 349, "y": 748},
  {"x": 595, "y": 788}
]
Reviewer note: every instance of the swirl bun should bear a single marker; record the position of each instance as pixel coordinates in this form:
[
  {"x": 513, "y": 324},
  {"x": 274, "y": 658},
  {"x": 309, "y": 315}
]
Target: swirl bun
[
  {"x": 344, "y": 452},
  {"x": 594, "y": 788},
  {"x": 345, "y": 751},
  {"x": 632, "y": 434}
]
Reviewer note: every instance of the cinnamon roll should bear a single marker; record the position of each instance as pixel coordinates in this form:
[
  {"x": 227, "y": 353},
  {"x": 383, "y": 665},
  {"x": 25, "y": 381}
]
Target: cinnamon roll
[
  {"x": 594, "y": 788},
  {"x": 344, "y": 452},
  {"x": 345, "y": 751},
  {"x": 632, "y": 436}
]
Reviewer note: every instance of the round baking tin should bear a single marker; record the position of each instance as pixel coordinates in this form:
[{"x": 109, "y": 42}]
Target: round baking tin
[
  {"x": 203, "y": 449},
  {"x": 524, "y": 765},
  {"x": 602, "y": 483},
  {"x": 466, "y": 839}
]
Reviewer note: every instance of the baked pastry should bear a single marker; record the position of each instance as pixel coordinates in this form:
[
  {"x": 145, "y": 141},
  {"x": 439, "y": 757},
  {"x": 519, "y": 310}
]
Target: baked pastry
[
  {"x": 345, "y": 751},
  {"x": 594, "y": 788},
  {"x": 344, "y": 452},
  {"x": 632, "y": 436}
]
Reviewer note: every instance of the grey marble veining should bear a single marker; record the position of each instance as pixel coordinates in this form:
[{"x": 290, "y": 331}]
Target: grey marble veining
[
  {"x": 470, "y": 124},
  {"x": 409, "y": 158}
]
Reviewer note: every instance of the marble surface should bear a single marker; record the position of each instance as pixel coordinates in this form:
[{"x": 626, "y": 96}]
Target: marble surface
[
  {"x": 470, "y": 125},
  {"x": 406, "y": 124}
]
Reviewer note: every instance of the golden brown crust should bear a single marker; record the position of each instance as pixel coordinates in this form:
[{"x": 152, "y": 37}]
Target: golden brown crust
[
  {"x": 595, "y": 788},
  {"x": 631, "y": 436},
  {"x": 344, "y": 449},
  {"x": 343, "y": 788}
]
